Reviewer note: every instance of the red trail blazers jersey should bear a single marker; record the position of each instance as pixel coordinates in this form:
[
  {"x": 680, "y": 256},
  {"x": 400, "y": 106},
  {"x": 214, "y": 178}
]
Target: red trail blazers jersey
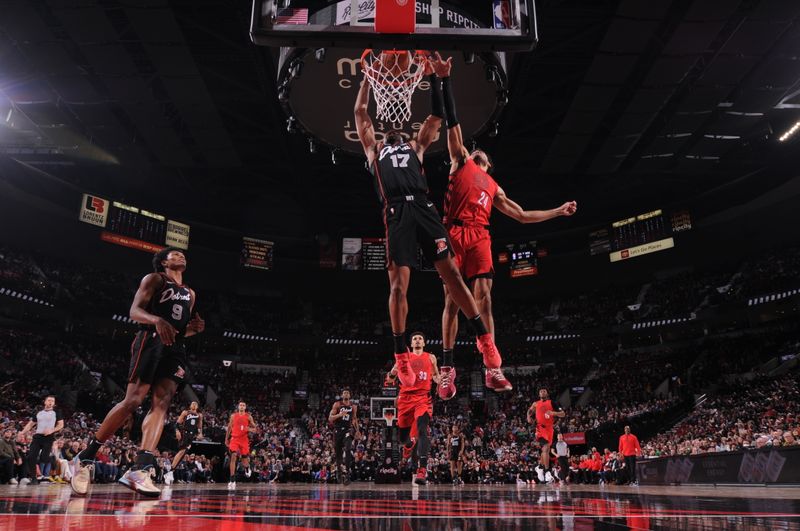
[{"x": 470, "y": 195}]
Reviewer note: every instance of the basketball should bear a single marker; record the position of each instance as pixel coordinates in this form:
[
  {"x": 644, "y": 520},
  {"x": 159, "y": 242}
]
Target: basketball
[{"x": 395, "y": 63}]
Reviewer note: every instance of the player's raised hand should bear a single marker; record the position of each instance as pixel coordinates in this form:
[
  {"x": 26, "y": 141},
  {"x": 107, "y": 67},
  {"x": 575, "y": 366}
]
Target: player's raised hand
[
  {"x": 568, "y": 208},
  {"x": 166, "y": 332},
  {"x": 440, "y": 66}
]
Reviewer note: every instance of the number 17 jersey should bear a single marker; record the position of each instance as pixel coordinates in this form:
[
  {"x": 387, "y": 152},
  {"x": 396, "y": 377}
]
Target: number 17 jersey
[{"x": 398, "y": 172}]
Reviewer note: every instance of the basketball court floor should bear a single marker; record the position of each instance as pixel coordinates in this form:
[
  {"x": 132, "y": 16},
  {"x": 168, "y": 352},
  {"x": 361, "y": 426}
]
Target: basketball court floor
[{"x": 367, "y": 506}]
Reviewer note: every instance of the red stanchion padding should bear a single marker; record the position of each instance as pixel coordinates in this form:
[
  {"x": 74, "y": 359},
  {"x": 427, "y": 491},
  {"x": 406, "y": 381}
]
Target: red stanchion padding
[{"x": 395, "y": 16}]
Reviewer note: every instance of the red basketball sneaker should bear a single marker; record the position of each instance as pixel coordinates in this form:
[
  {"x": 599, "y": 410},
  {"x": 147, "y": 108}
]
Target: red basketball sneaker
[
  {"x": 496, "y": 381},
  {"x": 491, "y": 356},
  {"x": 404, "y": 372},
  {"x": 422, "y": 476},
  {"x": 447, "y": 384}
]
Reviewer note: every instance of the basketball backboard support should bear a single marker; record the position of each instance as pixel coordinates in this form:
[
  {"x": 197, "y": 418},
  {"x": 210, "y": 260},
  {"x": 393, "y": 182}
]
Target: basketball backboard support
[{"x": 500, "y": 25}]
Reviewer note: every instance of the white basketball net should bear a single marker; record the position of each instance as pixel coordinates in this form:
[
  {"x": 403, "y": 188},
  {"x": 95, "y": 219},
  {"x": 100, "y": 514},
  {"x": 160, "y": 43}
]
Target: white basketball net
[{"x": 393, "y": 87}]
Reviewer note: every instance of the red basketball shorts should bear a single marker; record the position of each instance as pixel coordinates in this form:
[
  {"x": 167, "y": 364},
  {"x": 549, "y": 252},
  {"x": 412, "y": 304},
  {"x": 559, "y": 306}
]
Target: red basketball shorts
[
  {"x": 410, "y": 408},
  {"x": 239, "y": 445},
  {"x": 544, "y": 434},
  {"x": 472, "y": 247}
]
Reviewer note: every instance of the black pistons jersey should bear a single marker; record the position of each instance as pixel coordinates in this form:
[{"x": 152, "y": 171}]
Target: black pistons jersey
[
  {"x": 173, "y": 303},
  {"x": 455, "y": 447},
  {"x": 191, "y": 423},
  {"x": 344, "y": 423},
  {"x": 398, "y": 172}
]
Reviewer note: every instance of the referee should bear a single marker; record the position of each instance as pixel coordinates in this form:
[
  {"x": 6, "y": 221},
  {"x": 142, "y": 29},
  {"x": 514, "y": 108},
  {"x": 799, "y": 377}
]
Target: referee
[
  {"x": 562, "y": 455},
  {"x": 48, "y": 422}
]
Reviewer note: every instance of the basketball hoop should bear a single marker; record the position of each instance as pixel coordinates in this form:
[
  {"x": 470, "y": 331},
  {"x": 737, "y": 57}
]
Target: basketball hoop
[
  {"x": 394, "y": 75},
  {"x": 388, "y": 415}
]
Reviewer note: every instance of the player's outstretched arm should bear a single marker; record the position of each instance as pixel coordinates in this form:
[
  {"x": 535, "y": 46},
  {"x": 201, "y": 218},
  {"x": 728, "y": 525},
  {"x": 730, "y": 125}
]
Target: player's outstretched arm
[
  {"x": 433, "y": 123},
  {"x": 511, "y": 209},
  {"x": 455, "y": 140},
  {"x": 364, "y": 127}
]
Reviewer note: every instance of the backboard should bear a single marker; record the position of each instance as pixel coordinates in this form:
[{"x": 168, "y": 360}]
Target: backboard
[
  {"x": 497, "y": 25},
  {"x": 319, "y": 63}
]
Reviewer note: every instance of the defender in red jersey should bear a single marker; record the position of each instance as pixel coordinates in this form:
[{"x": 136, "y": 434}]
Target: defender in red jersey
[
  {"x": 415, "y": 406},
  {"x": 237, "y": 438},
  {"x": 543, "y": 413},
  {"x": 470, "y": 196},
  {"x": 412, "y": 221}
]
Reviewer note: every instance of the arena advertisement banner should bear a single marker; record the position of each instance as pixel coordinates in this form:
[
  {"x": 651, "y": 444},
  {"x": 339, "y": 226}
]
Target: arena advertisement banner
[
  {"x": 576, "y": 437},
  {"x": 132, "y": 243},
  {"x": 94, "y": 210},
  {"x": 177, "y": 234},
  {"x": 641, "y": 250},
  {"x": 767, "y": 465}
]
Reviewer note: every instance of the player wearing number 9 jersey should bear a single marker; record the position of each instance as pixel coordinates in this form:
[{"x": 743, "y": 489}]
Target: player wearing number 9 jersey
[
  {"x": 163, "y": 307},
  {"x": 470, "y": 196}
]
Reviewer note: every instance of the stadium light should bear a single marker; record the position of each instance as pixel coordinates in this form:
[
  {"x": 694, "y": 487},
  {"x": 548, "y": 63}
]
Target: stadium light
[{"x": 790, "y": 133}]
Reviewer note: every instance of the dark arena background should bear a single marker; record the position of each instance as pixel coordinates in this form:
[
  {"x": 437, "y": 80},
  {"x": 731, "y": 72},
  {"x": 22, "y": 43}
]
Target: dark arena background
[{"x": 650, "y": 148}]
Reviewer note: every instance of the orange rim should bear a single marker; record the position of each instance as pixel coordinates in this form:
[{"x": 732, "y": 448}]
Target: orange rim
[{"x": 422, "y": 55}]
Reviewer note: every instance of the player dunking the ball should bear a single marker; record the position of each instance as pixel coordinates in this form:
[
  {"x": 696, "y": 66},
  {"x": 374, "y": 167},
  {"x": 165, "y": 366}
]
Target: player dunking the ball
[
  {"x": 237, "y": 438},
  {"x": 415, "y": 406},
  {"x": 412, "y": 221},
  {"x": 543, "y": 413},
  {"x": 471, "y": 194},
  {"x": 163, "y": 306}
]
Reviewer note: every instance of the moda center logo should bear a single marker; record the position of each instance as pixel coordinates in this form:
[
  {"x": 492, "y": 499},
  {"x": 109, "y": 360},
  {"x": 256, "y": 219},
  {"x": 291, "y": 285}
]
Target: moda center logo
[{"x": 94, "y": 210}]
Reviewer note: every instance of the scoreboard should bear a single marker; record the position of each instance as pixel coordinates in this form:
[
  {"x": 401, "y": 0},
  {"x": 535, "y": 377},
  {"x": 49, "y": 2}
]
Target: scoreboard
[
  {"x": 363, "y": 254},
  {"x": 639, "y": 235},
  {"x": 132, "y": 226},
  {"x": 524, "y": 259},
  {"x": 257, "y": 254},
  {"x": 369, "y": 254},
  {"x": 639, "y": 230},
  {"x": 138, "y": 223}
]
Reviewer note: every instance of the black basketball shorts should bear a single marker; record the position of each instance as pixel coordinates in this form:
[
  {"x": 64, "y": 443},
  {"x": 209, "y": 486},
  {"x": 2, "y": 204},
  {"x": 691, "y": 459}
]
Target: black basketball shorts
[
  {"x": 187, "y": 438},
  {"x": 152, "y": 361},
  {"x": 414, "y": 223}
]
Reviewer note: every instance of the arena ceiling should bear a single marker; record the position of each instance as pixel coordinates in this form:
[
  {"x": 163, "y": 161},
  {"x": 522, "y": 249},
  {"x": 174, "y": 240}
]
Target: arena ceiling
[{"x": 625, "y": 105}]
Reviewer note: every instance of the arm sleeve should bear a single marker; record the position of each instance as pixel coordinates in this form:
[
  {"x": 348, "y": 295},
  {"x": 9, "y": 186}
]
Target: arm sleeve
[
  {"x": 449, "y": 103},
  {"x": 437, "y": 103}
]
